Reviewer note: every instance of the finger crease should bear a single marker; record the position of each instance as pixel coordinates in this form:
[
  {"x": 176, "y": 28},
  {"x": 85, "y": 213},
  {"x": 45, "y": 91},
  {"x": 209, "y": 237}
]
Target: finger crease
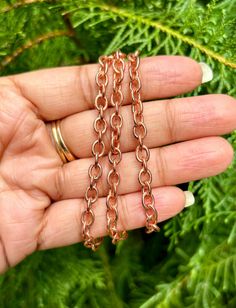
[
  {"x": 5, "y": 253},
  {"x": 161, "y": 166},
  {"x": 17, "y": 86},
  {"x": 124, "y": 213},
  {"x": 39, "y": 236},
  {"x": 59, "y": 183},
  {"x": 170, "y": 119},
  {"x": 86, "y": 89}
]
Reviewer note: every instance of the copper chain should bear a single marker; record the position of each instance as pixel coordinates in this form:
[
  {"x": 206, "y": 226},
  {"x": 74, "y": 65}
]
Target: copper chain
[
  {"x": 142, "y": 152},
  {"x": 98, "y": 149},
  {"x": 114, "y": 155}
]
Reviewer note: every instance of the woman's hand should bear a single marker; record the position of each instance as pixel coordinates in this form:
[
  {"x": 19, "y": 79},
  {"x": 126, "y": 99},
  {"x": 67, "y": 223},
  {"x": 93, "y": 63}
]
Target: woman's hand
[{"x": 41, "y": 198}]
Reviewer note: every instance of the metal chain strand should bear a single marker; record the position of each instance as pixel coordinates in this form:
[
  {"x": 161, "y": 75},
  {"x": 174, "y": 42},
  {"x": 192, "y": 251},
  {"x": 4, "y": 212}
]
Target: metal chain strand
[
  {"x": 114, "y": 155},
  {"x": 142, "y": 152},
  {"x": 98, "y": 149}
]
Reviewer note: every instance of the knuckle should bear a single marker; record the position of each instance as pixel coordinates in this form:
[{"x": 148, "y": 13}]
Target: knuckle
[
  {"x": 102, "y": 184},
  {"x": 170, "y": 115},
  {"x": 59, "y": 184},
  {"x": 161, "y": 166},
  {"x": 40, "y": 236},
  {"x": 124, "y": 216},
  {"x": 85, "y": 86}
]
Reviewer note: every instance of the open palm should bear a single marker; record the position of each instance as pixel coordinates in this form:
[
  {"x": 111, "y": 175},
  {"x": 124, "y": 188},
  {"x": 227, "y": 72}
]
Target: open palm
[{"x": 41, "y": 199}]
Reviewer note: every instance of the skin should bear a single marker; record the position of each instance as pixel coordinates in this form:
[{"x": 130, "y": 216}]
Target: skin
[{"x": 41, "y": 199}]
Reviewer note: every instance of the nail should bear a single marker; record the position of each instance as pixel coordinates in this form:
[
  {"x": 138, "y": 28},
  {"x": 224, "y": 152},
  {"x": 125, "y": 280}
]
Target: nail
[
  {"x": 189, "y": 198},
  {"x": 207, "y": 73}
]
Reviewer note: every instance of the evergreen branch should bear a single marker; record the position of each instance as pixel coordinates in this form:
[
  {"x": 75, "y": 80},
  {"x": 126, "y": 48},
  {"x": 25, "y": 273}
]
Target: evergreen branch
[
  {"x": 66, "y": 19},
  {"x": 155, "y": 24},
  {"x": 69, "y": 26},
  {"x": 214, "y": 271},
  {"x": 110, "y": 284},
  {"x": 20, "y": 4},
  {"x": 192, "y": 264},
  {"x": 32, "y": 43},
  {"x": 67, "y": 22}
]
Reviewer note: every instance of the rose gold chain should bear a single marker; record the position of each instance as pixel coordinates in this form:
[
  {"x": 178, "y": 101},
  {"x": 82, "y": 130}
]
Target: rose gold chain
[
  {"x": 114, "y": 155},
  {"x": 142, "y": 152},
  {"x": 98, "y": 149}
]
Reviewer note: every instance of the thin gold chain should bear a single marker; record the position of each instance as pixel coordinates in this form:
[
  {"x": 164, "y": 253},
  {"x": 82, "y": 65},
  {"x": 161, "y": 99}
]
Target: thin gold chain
[
  {"x": 98, "y": 148},
  {"x": 142, "y": 152},
  {"x": 114, "y": 155}
]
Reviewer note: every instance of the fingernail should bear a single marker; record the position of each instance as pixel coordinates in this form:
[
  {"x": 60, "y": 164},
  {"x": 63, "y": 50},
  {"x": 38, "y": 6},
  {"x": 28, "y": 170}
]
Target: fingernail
[
  {"x": 189, "y": 198},
  {"x": 207, "y": 73}
]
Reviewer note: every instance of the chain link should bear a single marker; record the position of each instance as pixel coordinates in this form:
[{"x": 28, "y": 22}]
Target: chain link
[
  {"x": 114, "y": 155},
  {"x": 98, "y": 149},
  {"x": 142, "y": 152}
]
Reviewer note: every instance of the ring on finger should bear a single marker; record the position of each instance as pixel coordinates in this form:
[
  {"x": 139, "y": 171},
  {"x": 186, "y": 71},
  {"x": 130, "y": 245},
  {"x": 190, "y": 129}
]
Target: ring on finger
[{"x": 62, "y": 149}]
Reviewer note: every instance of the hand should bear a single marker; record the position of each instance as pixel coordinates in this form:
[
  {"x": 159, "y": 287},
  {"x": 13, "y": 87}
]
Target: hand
[{"x": 41, "y": 199}]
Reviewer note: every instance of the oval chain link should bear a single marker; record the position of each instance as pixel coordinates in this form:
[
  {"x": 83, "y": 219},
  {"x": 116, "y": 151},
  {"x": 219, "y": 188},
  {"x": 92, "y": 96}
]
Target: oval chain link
[
  {"x": 142, "y": 152},
  {"x": 114, "y": 154},
  {"x": 98, "y": 149}
]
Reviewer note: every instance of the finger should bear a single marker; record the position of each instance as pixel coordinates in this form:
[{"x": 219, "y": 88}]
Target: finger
[
  {"x": 60, "y": 92},
  {"x": 3, "y": 259},
  {"x": 170, "y": 165},
  {"x": 167, "y": 121},
  {"x": 62, "y": 221}
]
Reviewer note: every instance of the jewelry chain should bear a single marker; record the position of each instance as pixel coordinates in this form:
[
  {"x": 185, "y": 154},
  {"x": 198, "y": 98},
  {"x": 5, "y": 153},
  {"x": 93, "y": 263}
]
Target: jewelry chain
[
  {"x": 114, "y": 155},
  {"x": 98, "y": 149},
  {"x": 142, "y": 152}
]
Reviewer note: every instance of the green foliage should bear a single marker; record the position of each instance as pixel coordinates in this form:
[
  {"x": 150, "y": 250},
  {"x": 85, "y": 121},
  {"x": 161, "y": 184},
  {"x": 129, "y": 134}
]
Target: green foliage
[{"x": 192, "y": 262}]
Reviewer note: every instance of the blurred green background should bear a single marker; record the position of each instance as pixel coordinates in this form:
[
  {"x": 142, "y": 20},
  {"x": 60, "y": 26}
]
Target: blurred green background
[{"x": 192, "y": 261}]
